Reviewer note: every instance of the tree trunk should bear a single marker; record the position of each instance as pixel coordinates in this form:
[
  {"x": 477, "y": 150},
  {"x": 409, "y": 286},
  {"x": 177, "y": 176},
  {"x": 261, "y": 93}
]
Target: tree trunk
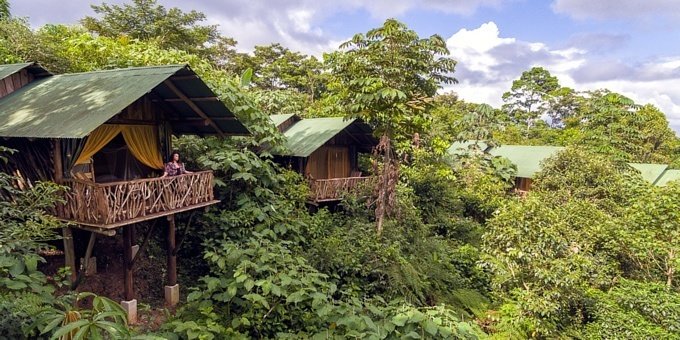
[
  {"x": 670, "y": 271},
  {"x": 384, "y": 191}
]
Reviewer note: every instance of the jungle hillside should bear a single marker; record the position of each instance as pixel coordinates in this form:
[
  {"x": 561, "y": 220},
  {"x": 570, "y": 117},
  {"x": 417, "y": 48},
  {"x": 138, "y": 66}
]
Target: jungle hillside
[{"x": 442, "y": 247}]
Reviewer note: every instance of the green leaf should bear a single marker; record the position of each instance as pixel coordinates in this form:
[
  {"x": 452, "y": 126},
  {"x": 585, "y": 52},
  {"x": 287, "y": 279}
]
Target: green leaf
[
  {"x": 430, "y": 327},
  {"x": 400, "y": 319}
]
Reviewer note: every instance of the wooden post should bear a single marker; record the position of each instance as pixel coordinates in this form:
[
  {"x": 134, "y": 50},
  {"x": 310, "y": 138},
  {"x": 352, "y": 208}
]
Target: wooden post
[
  {"x": 172, "y": 258},
  {"x": 58, "y": 165},
  {"x": 70, "y": 253},
  {"x": 172, "y": 288},
  {"x": 127, "y": 262}
]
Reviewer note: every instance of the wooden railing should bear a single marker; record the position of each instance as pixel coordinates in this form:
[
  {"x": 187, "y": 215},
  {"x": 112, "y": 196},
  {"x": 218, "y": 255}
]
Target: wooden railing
[
  {"x": 334, "y": 188},
  {"x": 119, "y": 203}
]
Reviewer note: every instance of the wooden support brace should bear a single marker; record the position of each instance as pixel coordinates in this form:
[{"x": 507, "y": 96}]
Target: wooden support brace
[
  {"x": 144, "y": 242},
  {"x": 86, "y": 261},
  {"x": 184, "y": 234},
  {"x": 193, "y": 106}
]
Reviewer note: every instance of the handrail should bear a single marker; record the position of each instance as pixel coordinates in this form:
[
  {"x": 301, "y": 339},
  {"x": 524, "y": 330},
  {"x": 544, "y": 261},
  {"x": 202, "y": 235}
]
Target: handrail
[
  {"x": 116, "y": 203},
  {"x": 132, "y": 181},
  {"x": 332, "y": 189}
]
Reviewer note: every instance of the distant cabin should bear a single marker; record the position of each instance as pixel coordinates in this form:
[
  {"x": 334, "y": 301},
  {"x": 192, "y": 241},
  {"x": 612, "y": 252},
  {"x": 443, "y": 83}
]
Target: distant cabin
[
  {"x": 106, "y": 135},
  {"x": 529, "y": 160},
  {"x": 325, "y": 151}
]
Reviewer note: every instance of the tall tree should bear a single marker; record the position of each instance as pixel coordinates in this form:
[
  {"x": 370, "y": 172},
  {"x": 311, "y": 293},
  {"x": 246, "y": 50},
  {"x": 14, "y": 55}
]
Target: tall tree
[
  {"x": 277, "y": 68},
  {"x": 388, "y": 77},
  {"x": 613, "y": 124},
  {"x": 146, "y": 20},
  {"x": 528, "y": 98}
]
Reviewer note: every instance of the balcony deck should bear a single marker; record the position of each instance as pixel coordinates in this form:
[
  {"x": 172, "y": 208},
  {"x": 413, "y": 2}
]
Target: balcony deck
[
  {"x": 107, "y": 206},
  {"x": 333, "y": 189}
]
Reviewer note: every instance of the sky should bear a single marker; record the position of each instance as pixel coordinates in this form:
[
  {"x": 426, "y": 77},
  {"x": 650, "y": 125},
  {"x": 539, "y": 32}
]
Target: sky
[{"x": 628, "y": 46}]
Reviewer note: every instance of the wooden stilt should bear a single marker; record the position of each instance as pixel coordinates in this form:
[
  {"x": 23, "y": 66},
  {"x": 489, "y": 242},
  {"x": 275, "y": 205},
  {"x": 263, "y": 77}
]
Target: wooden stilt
[
  {"x": 70, "y": 253},
  {"x": 127, "y": 261},
  {"x": 172, "y": 257}
]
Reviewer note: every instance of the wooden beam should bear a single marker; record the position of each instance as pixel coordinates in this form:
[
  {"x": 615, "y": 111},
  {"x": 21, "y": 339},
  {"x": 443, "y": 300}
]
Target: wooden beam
[
  {"x": 166, "y": 107},
  {"x": 195, "y": 99},
  {"x": 58, "y": 165},
  {"x": 128, "y": 289},
  {"x": 119, "y": 121},
  {"x": 86, "y": 261},
  {"x": 146, "y": 239},
  {"x": 193, "y": 106},
  {"x": 188, "y": 77},
  {"x": 188, "y": 119},
  {"x": 172, "y": 258}
]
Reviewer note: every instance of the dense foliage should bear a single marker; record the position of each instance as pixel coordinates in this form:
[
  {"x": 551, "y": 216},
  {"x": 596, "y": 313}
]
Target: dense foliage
[{"x": 591, "y": 252}]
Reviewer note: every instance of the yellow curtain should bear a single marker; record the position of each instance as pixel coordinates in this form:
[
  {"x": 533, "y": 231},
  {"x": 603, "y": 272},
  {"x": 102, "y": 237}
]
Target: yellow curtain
[
  {"x": 97, "y": 140},
  {"x": 142, "y": 140}
]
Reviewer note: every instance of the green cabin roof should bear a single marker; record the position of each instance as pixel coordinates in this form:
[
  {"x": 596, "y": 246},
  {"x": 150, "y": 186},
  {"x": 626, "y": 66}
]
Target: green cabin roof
[
  {"x": 73, "y": 105},
  {"x": 527, "y": 158},
  {"x": 280, "y": 119},
  {"x": 307, "y": 135},
  {"x": 668, "y": 176},
  {"x": 10, "y": 69},
  {"x": 650, "y": 172}
]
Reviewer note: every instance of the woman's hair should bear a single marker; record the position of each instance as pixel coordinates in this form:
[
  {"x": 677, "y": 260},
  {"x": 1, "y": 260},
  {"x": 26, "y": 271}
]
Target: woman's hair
[{"x": 172, "y": 156}]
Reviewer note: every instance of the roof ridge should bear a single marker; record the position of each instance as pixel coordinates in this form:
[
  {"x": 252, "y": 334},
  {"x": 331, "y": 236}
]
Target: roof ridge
[{"x": 133, "y": 68}]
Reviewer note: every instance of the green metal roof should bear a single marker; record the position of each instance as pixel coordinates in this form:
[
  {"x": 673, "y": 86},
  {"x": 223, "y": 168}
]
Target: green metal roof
[
  {"x": 73, "y": 105},
  {"x": 8, "y": 70},
  {"x": 650, "y": 172},
  {"x": 307, "y": 135},
  {"x": 527, "y": 158},
  {"x": 668, "y": 176},
  {"x": 458, "y": 148},
  {"x": 279, "y": 119}
]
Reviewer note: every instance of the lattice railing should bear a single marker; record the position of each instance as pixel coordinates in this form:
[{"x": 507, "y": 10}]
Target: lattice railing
[
  {"x": 334, "y": 188},
  {"x": 130, "y": 201}
]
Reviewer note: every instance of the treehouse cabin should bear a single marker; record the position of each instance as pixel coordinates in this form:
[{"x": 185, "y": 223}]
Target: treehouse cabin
[
  {"x": 325, "y": 151},
  {"x": 105, "y": 135},
  {"x": 529, "y": 160}
]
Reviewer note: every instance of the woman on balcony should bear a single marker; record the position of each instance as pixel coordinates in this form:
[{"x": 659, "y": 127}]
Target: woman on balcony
[{"x": 174, "y": 167}]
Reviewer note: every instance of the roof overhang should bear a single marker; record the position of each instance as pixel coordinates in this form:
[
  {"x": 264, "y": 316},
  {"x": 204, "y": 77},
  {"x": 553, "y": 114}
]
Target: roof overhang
[{"x": 73, "y": 105}]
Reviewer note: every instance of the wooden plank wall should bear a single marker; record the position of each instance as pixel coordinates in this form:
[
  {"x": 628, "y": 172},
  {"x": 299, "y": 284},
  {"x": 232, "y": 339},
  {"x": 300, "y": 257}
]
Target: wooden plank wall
[
  {"x": 15, "y": 82},
  {"x": 329, "y": 162}
]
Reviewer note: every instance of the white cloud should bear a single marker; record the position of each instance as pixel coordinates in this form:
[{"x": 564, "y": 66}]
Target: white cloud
[
  {"x": 295, "y": 24},
  {"x": 488, "y": 63},
  {"x": 617, "y": 9}
]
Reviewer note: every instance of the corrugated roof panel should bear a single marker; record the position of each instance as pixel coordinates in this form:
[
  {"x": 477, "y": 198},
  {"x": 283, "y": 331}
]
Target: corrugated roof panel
[
  {"x": 307, "y": 135},
  {"x": 650, "y": 172},
  {"x": 527, "y": 158},
  {"x": 73, "y": 105},
  {"x": 668, "y": 176},
  {"x": 279, "y": 119},
  {"x": 10, "y": 69}
]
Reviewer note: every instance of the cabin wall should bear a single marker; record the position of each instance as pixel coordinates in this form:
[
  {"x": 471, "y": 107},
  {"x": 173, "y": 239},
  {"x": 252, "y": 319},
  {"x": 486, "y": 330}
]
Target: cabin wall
[
  {"x": 523, "y": 184},
  {"x": 14, "y": 82},
  {"x": 329, "y": 162}
]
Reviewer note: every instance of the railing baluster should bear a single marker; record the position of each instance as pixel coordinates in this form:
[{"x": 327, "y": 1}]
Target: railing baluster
[{"x": 109, "y": 203}]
